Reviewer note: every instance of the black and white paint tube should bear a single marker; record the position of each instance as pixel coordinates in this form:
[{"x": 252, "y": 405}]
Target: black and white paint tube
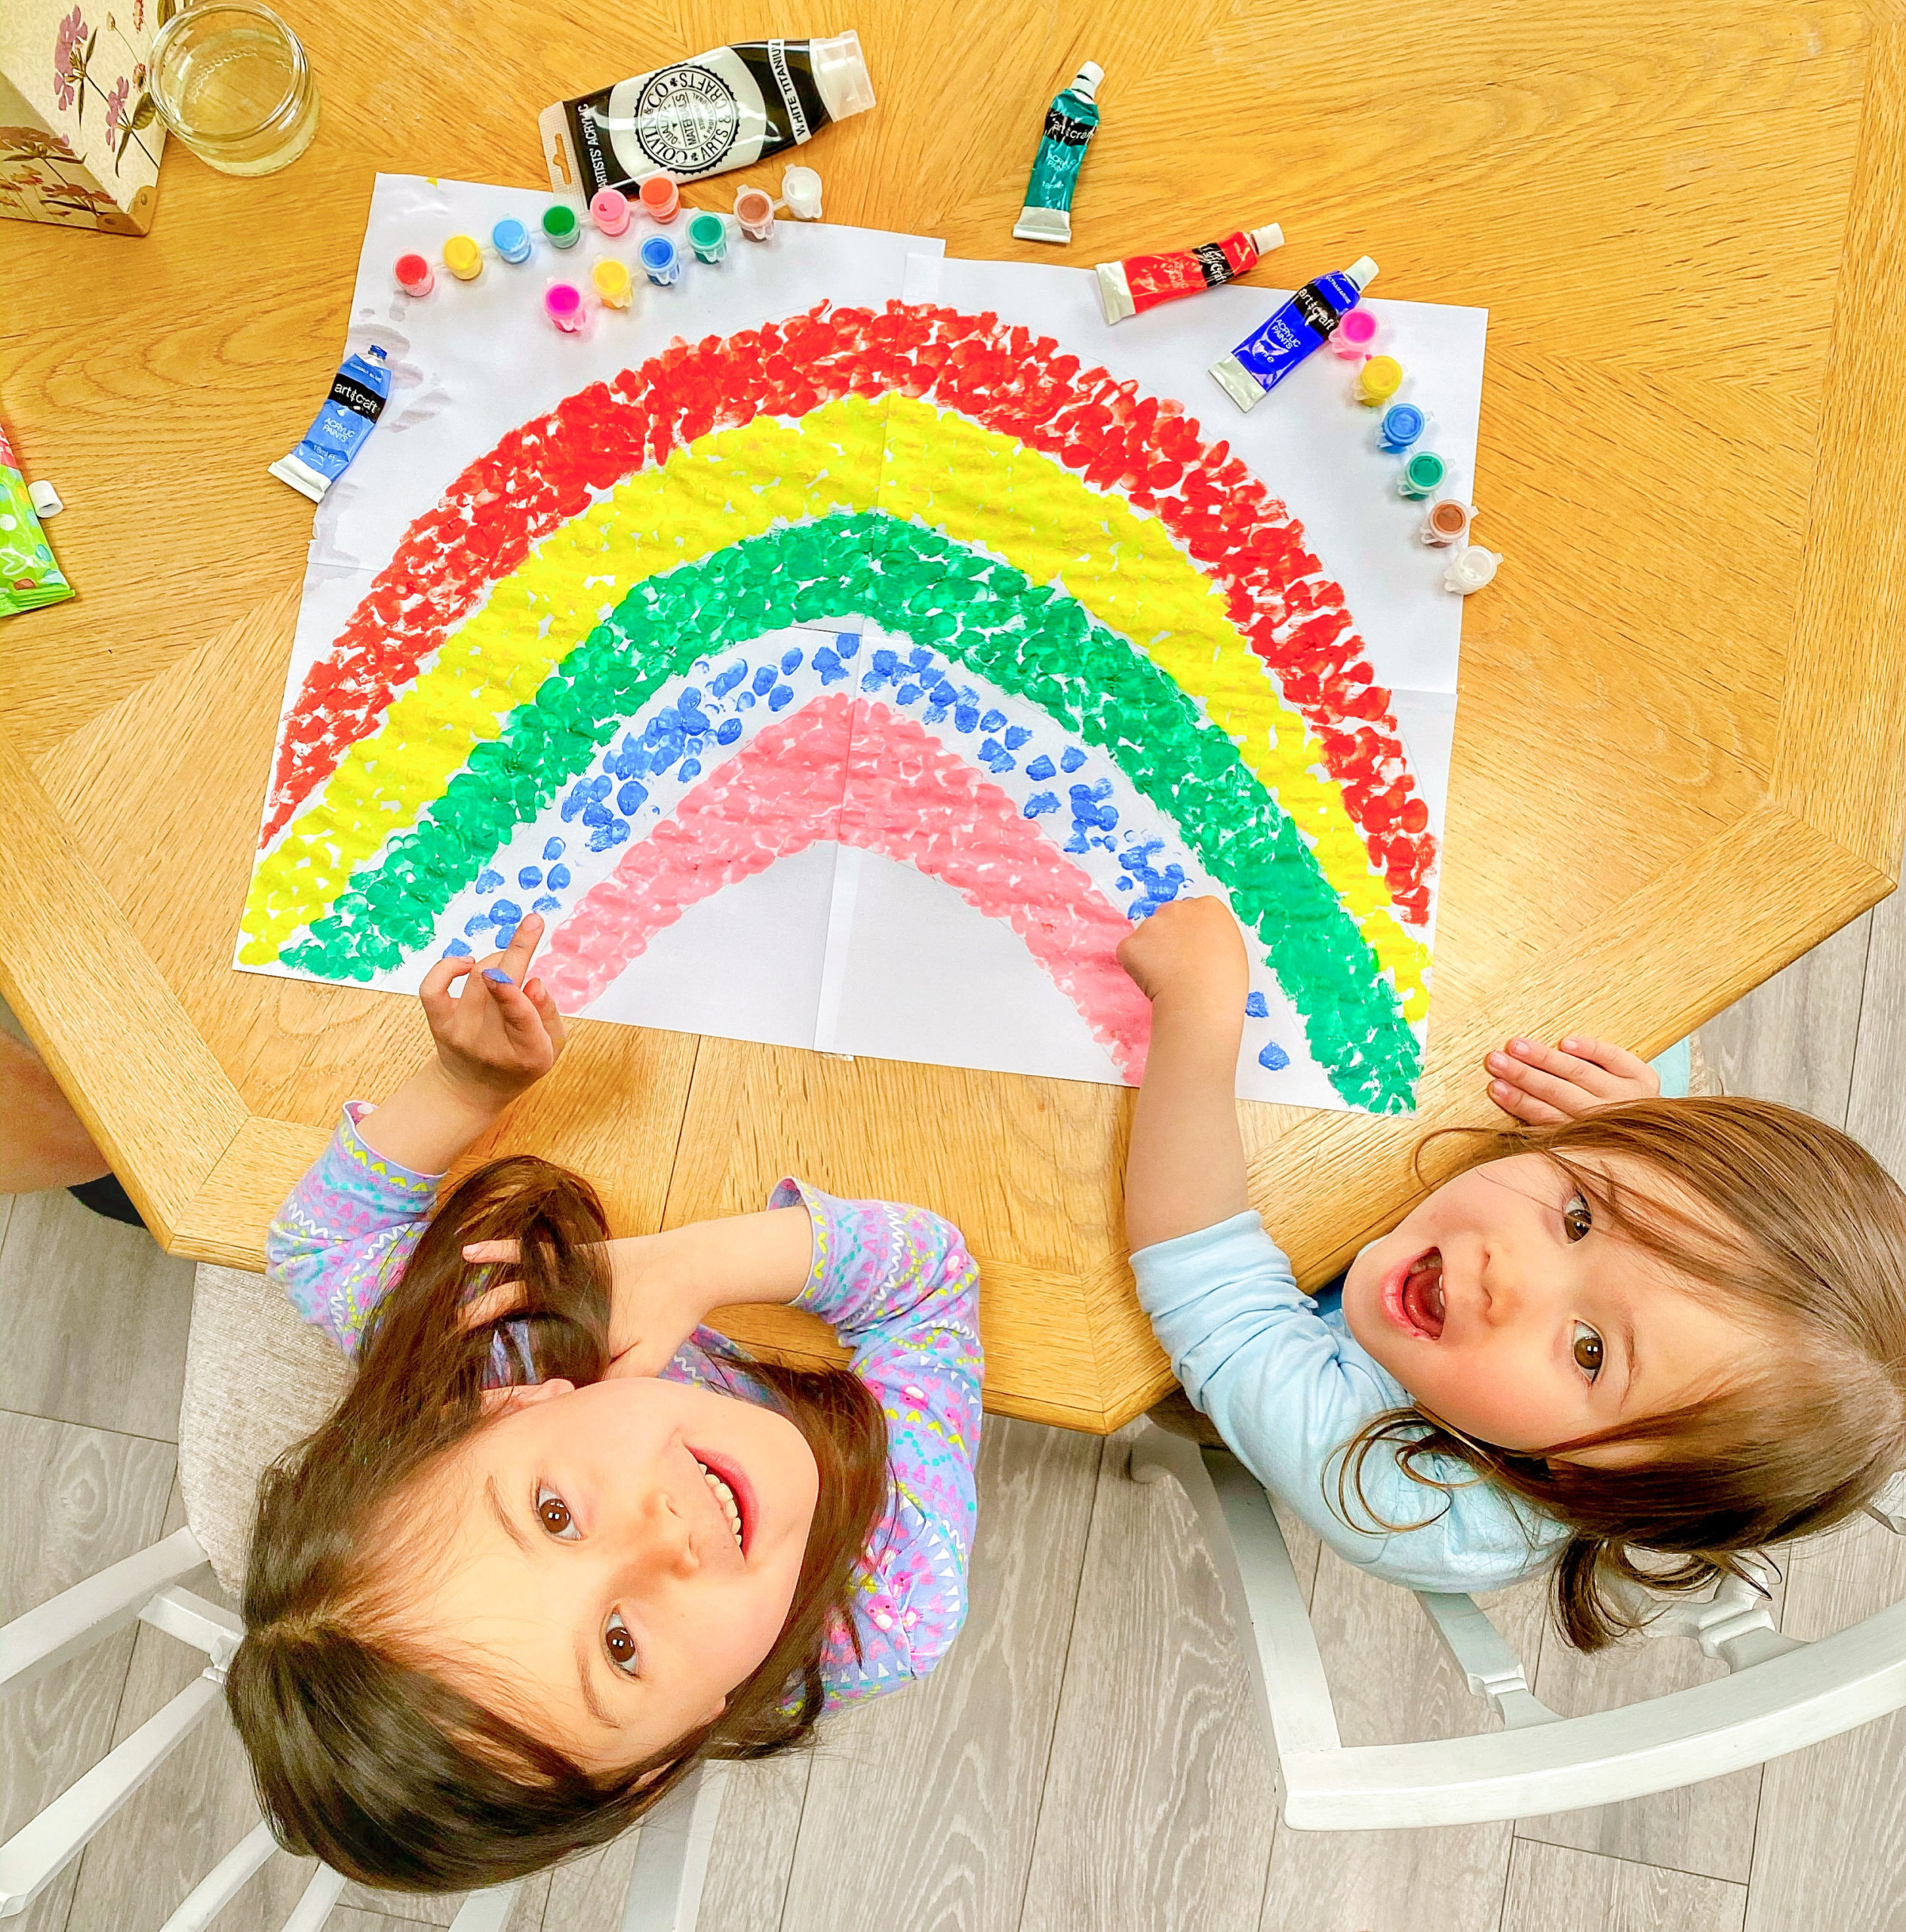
[{"x": 725, "y": 109}]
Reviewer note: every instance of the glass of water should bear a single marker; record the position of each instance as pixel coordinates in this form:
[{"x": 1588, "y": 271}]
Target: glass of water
[{"x": 231, "y": 80}]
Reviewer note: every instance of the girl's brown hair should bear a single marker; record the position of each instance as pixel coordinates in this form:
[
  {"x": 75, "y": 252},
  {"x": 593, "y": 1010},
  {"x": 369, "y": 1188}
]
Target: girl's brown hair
[
  {"x": 372, "y": 1763},
  {"x": 1787, "y": 1221}
]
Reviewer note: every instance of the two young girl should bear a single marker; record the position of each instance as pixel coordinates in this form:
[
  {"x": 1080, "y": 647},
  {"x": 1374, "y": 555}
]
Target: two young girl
[{"x": 559, "y": 1540}]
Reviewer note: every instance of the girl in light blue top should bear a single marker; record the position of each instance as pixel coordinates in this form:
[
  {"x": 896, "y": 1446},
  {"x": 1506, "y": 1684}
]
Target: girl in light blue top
[{"x": 1626, "y": 1337}]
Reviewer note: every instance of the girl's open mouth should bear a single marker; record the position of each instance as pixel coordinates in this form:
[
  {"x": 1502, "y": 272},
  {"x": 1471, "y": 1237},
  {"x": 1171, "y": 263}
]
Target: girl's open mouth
[
  {"x": 732, "y": 1491},
  {"x": 1414, "y": 1299}
]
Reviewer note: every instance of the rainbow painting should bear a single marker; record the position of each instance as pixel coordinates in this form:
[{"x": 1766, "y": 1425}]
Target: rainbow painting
[{"x": 854, "y": 678}]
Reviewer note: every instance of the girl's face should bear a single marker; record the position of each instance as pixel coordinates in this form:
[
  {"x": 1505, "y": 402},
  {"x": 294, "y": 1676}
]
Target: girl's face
[
  {"x": 618, "y": 1558},
  {"x": 1502, "y": 1307}
]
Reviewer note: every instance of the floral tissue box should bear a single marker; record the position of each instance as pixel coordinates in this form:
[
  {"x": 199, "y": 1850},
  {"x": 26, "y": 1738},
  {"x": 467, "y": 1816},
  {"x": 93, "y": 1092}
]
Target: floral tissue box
[{"x": 79, "y": 138}]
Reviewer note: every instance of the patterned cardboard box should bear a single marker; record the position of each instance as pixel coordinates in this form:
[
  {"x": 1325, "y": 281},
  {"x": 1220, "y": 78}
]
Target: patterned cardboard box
[{"x": 79, "y": 139}]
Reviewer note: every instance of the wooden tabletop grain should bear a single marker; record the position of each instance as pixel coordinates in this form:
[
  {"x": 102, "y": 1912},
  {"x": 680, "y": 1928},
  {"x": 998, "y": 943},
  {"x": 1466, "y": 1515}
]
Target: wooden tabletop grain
[{"x": 1681, "y": 725}]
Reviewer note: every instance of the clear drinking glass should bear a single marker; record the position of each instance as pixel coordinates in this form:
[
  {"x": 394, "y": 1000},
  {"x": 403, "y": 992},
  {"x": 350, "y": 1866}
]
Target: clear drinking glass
[{"x": 231, "y": 80}]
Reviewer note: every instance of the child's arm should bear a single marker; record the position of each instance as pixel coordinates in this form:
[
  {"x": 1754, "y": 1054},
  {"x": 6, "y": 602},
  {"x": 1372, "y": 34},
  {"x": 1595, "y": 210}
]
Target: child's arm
[
  {"x": 348, "y": 1228},
  {"x": 896, "y": 1284},
  {"x": 664, "y": 1286},
  {"x": 1541, "y": 1086},
  {"x": 1185, "y": 1168}
]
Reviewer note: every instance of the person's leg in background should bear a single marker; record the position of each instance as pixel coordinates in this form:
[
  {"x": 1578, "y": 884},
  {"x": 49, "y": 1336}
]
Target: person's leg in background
[{"x": 43, "y": 1143}]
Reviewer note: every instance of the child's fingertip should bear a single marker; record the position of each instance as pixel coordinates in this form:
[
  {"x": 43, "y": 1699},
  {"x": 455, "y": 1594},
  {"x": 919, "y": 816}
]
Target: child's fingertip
[{"x": 497, "y": 979}]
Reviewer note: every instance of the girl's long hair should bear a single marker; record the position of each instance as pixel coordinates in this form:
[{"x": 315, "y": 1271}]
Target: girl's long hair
[
  {"x": 1789, "y": 1224},
  {"x": 367, "y": 1760}
]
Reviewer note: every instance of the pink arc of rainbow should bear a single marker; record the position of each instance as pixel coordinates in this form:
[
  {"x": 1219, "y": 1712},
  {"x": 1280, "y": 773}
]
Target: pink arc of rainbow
[
  {"x": 542, "y": 475},
  {"x": 907, "y": 798}
]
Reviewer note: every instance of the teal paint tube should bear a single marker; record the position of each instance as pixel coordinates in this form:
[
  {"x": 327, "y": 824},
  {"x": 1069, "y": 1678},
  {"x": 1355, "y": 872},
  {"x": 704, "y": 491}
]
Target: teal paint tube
[{"x": 1070, "y": 123}]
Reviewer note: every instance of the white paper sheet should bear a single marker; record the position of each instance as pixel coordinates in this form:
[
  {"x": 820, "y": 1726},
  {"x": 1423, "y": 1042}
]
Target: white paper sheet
[{"x": 879, "y": 814}]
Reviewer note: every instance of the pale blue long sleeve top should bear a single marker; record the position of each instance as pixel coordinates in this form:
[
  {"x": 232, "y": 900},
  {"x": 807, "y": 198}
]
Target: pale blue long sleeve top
[{"x": 1288, "y": 1386}]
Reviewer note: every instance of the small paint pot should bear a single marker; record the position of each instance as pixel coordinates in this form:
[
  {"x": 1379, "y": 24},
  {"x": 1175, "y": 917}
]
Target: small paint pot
[
  {"x": 1403, "y": 426},
  {"x": 661, "y": 199},
  {"x": 1379, "y": 378},
  {"x": 560, "y": 225},
  {"x": 1355, "y": 336},
  {"x": 562, "y": 303},
  {"x": 511, "y": 240},
  {"x": 708, "y": 235},
  {"x": 755, "y": 210},
  {"x": 413, "y": 275},
  {"x": 1422, "y": 475},
  {"x": 801, "y": 188},
  {"x": 463, "y": 256},
  {"x": 1447, "y": 522},
  {"x": 610, "y": 211},
  {"x": 611, "y": 283},
  {"x": 661, "y": 262},
  {"x": 1472, "y": 569}
]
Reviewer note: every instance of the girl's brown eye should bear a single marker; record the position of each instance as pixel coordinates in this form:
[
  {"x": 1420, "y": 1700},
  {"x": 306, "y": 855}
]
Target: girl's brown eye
[
  {"x": 1588, "y": 1350},
  {"x": 553, "y": 1513},
  {"x": 620, "y": 1645},
  {"x": 1576, "y": 1220}
]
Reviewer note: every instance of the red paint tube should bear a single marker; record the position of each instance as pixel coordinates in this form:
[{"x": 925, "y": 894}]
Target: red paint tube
[{"x": 1142, "y": 281}]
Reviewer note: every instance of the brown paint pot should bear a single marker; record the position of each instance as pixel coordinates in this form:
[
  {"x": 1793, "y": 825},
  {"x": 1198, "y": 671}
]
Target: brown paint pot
[{"x": 1447, "y": 522}]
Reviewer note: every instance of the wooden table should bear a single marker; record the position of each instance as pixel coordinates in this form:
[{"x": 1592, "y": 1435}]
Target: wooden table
[{"x": 1679, "y": 743}]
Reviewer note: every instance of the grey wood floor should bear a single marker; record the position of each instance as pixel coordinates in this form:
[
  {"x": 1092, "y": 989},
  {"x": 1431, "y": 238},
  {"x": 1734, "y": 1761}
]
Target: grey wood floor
[{"x": 1088, "y": 1757}]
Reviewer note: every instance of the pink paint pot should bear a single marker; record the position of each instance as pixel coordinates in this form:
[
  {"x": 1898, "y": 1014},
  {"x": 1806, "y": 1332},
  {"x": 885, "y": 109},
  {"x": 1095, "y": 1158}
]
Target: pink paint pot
[
  {"x": 661, "y": 199},
  {"x": 1355, "y": 336},
  {"x": 413, "y": 275},
  {"x": 610, "y": 211},
  {"x": 755, "y": 210},
  {"x": 562, "y": 303}
]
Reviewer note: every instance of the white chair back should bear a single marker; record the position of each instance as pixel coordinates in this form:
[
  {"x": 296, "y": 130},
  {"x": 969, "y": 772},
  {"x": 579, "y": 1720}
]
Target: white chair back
[{"x": 1779, "y": 1694}]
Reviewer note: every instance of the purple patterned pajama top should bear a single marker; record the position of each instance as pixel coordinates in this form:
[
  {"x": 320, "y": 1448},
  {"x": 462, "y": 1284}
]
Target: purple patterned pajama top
[{"x": 896, "y": 1284}]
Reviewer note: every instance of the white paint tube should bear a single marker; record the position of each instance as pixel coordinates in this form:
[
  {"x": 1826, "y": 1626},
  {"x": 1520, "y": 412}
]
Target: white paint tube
[{"x": 725, "y": 109}]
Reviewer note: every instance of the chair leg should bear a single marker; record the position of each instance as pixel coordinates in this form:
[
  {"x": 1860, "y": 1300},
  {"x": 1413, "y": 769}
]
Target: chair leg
[
  {"x": 665, "y": 1889},
  {"x": 222, "y": 1883},
  {"x": 309, "y": 1914},
  {"x": 489, "y": 1910}
]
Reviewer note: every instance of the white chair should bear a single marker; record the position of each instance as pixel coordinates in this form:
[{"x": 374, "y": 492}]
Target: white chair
[
  {"x": 256, "y": 1380},
  {"x": 1779, "y": 1695}
]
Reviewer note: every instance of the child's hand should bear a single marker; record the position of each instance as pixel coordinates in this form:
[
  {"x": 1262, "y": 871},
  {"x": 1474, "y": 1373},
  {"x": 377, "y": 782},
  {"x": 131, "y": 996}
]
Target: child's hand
[
  {"x": 1541, "y": 1086},
  {"x": 645, "y": 1329},
  {"x": 500, "y": 1035},
  {"x": 1190, "y": 952}
]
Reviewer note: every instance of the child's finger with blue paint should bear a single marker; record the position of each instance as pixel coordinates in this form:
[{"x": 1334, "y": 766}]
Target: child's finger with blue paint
[{"x": 523, "y": 1026}]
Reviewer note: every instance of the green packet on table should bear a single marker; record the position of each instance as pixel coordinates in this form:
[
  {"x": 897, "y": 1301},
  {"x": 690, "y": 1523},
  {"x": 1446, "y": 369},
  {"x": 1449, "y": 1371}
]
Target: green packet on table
[{"x": 29, "y": 577}]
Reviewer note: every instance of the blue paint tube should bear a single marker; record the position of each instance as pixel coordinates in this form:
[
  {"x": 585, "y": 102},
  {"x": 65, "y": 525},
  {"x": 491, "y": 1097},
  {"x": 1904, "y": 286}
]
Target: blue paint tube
[
  {"x": 1263, "y": 359},
  {"x": 359, "y": 391},
  {"x": 1071, "y": 121}
]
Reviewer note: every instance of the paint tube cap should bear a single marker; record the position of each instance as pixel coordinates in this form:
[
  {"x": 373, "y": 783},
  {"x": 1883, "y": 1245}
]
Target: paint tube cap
[
  {"x": 1267, "y": 237},
  {"x": 1363, "y": 271},
  {"x": 1085, "y": 82},
  {"x": 841, "y": 75}
]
